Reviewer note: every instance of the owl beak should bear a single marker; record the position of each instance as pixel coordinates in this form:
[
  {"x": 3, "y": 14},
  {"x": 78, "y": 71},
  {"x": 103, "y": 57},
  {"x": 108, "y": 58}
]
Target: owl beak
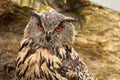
[{"x": 48, "y": 36}]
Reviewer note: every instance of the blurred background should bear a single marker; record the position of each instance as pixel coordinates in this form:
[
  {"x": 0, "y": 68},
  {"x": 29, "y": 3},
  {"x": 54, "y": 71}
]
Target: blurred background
[
  {"x": 97, "y": 32},
  {"x": 113, "y": 4}
]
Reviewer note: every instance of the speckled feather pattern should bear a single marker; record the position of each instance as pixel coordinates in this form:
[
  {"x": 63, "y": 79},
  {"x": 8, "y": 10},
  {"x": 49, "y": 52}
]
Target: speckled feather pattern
[{"x": 39, "y": 59}]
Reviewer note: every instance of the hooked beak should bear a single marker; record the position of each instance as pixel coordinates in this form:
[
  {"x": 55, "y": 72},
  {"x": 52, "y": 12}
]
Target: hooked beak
[{"x": 48, "y": 36}]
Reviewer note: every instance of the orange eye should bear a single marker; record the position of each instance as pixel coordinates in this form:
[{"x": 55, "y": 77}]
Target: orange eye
[
  {"x": 40, "y": 27},
  {"x": 58, "y": 29}
]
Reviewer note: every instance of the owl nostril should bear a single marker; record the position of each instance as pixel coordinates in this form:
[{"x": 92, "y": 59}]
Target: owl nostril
[{"x": 48, "y": 36}]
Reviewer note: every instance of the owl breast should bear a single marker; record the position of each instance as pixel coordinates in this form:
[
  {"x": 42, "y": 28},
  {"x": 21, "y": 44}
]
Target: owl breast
[
  {"x": 39, "y": 64},
  {"x": 50, "y": 64}
]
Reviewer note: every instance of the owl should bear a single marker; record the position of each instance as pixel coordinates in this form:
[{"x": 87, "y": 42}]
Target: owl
[{"x": 46, "y": 51}]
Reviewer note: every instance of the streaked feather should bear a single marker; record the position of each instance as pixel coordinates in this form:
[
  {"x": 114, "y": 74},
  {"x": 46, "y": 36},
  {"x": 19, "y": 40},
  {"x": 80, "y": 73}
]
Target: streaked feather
[{"x": 44, "y": 63}]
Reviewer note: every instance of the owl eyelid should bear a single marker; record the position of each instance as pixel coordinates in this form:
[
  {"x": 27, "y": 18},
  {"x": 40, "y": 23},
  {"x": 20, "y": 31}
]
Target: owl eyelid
[{"x": 59, "y": 26}]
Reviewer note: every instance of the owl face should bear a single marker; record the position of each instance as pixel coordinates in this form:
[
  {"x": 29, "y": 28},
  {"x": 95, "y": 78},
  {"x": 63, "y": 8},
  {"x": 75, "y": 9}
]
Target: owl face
[{"x": 50, "y": 29}]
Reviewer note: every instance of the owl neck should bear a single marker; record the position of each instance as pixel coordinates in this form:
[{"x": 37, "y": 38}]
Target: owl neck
[{"x": 63, "y": 51}]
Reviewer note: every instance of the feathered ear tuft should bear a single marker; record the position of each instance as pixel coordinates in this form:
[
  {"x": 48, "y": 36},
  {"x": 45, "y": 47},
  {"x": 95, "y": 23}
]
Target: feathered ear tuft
[
  {"x": 35, "y": 14},
  {"x": 69, "y": 19}
]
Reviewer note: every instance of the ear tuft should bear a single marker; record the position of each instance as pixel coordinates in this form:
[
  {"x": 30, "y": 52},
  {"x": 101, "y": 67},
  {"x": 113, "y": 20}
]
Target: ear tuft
[
  {"x": 69, "y": 19},
  {"x": 35, "y": 14}
]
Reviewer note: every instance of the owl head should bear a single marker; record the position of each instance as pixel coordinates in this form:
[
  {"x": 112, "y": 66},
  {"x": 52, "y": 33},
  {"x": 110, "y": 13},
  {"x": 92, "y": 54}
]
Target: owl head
[{"x": 49, "y": 29}]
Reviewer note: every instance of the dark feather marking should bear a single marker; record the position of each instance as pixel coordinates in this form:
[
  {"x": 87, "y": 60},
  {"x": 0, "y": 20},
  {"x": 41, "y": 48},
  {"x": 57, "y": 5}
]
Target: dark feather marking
[
  {"x": 41, "y": 73},
  {"x": 24, "y": 58},
  {"x": 56, "y": 78},
  {"x": 18, "y": 59},
  {"x": 59, "y": 64},
  {"x": 60, "y": 56},
  {"x": 46, "y": 76},
  {"x": 77, "y": 58},
  {"x": 19, "y": 64},
  {"x": 42, "y": 60},
  {"x": 57, "y": 51},
  {"x": 23, "y": 45},
  {"x": 49, "y": 65},
  {"x": 38, "y": 76},
  {"x": 25, "y": 71},
  {"x": 19, "y": 77},
  {"x": 50, "y": 77},
  {"x": 28, "y": 52},
  {"x": 68, "y": 52},
  {"x": 64, "y": 56},
  {"x": 29, "y": 60},
  {"x": 17, "y": 72},
  {"x": 52, "y": 63},
  {"x": 35, "y": 75},
  {"x": 31, "y": 44}
]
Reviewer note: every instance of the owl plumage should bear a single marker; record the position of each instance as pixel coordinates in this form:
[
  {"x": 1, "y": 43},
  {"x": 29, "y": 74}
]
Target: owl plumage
[{"x": 46, "y": 51}]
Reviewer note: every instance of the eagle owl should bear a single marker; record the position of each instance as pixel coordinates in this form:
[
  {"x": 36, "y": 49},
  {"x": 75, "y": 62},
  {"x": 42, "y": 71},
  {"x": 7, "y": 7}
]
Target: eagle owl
[{"x": 46, "y": 51}]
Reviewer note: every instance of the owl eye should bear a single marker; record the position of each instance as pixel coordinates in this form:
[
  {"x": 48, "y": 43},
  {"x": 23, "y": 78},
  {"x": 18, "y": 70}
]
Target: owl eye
[
  {"x": 40, "y": 27},
  {"x": 58, "y": 29}
]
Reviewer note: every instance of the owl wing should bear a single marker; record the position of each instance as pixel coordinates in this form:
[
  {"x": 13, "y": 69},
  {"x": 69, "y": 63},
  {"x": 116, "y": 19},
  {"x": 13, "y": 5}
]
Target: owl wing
[{"x": 75, "y": 69}]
